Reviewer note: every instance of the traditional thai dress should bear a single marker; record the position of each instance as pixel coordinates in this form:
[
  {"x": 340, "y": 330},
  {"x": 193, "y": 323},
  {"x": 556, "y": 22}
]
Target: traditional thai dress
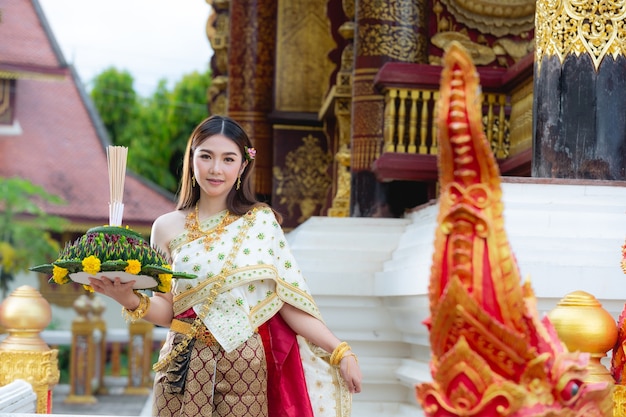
[{"x": 228, "y": 352}]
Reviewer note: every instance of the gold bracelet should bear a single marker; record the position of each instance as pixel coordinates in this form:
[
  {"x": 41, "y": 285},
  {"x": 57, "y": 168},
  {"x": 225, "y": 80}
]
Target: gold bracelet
[
  {"x": 142, "y": 309},
  {"x": 354, "y": 355},
  {"x": 340, "y": 350}
]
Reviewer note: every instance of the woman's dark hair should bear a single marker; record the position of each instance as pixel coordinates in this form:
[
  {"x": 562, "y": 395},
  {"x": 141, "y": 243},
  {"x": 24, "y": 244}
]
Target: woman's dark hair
[{"x": 238, "y": 201}]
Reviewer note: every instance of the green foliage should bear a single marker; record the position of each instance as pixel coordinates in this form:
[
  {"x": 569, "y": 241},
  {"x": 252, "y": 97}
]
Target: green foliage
[
  {"x": 156, "y": 128},
  {"x": 25, "y": 228},
  {"x": 116, "y": 102}
]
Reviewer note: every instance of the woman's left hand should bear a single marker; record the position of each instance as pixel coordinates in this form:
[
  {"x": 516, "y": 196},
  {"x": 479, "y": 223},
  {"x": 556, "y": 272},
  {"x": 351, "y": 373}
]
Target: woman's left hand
[{"x": 351, "y": 372}]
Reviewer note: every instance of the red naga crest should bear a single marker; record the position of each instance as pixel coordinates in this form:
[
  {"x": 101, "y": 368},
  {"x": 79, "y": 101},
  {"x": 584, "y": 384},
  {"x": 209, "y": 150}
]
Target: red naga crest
[{"x": 491, "y": 354}]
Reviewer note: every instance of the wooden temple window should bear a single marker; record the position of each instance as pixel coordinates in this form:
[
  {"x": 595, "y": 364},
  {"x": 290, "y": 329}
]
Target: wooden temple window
[{"x": 7, "y": 101}]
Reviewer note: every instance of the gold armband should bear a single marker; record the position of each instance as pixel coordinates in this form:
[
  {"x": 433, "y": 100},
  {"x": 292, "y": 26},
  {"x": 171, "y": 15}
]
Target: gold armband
[{"x": 142, "y": 309}]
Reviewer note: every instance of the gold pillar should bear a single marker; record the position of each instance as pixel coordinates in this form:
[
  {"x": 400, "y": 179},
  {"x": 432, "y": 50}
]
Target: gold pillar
[
  {"x": 218, "y": 27},
  {"x": 139, "y": 358},
  {"x": 579, "y": 124},
  {"x": 97, "y": 308},
  {"x": 341, "y": 96},
  {"x": 82, "y": 355},
  {"x": 23, "y": 354}
]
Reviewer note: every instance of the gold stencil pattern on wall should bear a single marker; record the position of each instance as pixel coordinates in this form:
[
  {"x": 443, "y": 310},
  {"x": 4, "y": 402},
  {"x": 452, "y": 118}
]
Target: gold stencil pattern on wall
[
  {"x": 302, "y": 30},
  {"x": 578, "y": 27},
  {"x": 401, "y": 43},
  {"x": 304, "y": 180},
  {"x": 408, "y": 12}
]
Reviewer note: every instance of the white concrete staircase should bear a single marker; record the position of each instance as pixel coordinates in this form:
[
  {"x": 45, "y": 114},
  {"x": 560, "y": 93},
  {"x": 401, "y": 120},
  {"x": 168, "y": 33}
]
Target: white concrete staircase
[
  {"x": 339, "y": 258},
  {"x": 370, "y": 276}
]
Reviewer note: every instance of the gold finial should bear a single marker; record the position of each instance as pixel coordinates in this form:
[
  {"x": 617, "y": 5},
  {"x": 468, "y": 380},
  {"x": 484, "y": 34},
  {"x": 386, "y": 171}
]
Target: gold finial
[
  {"x": 24, "y": 354},
  {"x": 24, "y": 314},
  {"x": 584, "y": 325}
]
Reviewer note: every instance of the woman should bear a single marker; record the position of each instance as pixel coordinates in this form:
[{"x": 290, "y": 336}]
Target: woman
[{"x": 232, "y": 348}]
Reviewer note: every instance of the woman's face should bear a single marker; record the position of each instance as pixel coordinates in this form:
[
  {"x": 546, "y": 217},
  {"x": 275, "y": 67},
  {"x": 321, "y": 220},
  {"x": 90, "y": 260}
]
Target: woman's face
[{"x": 217, "y": 163}]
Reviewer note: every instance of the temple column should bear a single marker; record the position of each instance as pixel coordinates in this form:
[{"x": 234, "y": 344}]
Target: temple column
[
  {"x": 218, "y": 32},
  {"x": 386, "y": 31},
  {"x": 336, "y": 111},
  {"x": 580, "y": 75},
  {"x": 250, "y": 79}
]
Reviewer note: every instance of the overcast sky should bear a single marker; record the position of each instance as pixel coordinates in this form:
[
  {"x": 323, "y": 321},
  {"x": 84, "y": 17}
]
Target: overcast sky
[{"x": 152, "y": 39}]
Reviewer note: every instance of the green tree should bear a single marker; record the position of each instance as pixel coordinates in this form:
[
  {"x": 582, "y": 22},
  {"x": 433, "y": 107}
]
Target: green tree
[
  {"x": 157, "y": 128},
  {"x": 188, "y": 106},
  {"x": 150, "y": 151},
  {"x": 116, "y": 102},
  {"x": 25, "y": 228}
]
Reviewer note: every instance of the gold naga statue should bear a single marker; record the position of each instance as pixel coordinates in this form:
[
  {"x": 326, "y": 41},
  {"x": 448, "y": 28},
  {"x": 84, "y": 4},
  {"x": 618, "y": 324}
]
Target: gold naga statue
[{"x": 491, "y": 354}]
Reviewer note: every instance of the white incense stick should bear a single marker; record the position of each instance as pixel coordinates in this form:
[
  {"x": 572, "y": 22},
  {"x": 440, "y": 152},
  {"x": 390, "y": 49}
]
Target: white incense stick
[{"x": 116, "y": 158}]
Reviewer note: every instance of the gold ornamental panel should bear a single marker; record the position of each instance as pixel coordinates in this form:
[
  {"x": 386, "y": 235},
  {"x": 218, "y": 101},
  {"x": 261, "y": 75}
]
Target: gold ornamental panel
[
  {"x": 303, "y": 69},
  {"x": 303, "y": 181},
  {"x": 578, "y": 27}
]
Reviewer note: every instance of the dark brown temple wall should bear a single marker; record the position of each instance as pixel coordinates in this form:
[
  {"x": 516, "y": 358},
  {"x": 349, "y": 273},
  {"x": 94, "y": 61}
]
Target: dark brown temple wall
[
  {"x": 251, "y": 74},
  {"x": 580, "y": 118},
  {"x": 387, "y": 31}
]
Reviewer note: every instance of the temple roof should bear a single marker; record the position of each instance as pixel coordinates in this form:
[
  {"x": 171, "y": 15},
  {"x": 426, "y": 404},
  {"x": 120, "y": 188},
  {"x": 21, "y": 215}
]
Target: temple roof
[{"x": 57, "y": 140}]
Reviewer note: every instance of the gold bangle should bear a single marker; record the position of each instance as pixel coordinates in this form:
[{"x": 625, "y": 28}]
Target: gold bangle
[
  {"x": 354, "y": 355},
  {"x": 340, "y": 350},
  {"x": 142, "y": 309},
  {"x": 333, "y": 357}
]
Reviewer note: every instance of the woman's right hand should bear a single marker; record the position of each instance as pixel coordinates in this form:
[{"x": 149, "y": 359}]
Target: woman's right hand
[{"x": 122, "y": 292}]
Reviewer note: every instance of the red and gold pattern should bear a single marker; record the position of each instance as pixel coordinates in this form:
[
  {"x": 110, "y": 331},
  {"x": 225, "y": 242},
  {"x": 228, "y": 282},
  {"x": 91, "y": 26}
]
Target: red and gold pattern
[
  {"x": 491, "y": 354},
  {"x": 219, "y": 384},
  {"x": 618, "y": 359}
]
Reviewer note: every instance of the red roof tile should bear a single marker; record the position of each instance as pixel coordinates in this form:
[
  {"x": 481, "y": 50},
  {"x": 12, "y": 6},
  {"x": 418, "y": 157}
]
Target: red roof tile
[
  {"x": 23, "y": 39},
  {"x": 61, "y": 146}
]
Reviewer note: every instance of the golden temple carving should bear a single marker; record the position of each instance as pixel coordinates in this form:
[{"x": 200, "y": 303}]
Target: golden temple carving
[
  {"x": 341, "y": 96},
  {"x": 496, "y": 17},
  {"x": 406, "y": 11},
  {"x": 401, "y": 43},
  {"x": 304, "y": 180},
  {"x": 218, "y": 31},
  {"x": 300, "y": 30},
  {"x": 575, "y": 27}
]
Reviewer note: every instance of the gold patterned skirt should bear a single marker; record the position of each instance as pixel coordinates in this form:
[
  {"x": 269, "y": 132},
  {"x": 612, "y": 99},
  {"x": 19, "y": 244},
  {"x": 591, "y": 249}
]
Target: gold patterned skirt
[{"x": 217, "y": 384}]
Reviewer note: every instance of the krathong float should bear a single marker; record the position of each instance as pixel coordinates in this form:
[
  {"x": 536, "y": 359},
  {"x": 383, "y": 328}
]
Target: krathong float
[{"x": 113, "y": 250}]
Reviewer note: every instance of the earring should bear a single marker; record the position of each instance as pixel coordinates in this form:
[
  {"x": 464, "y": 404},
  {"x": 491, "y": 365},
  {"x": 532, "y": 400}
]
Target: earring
[
  {"x": 193, "y": 181},
  {"x": 238, "y": 182}
]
